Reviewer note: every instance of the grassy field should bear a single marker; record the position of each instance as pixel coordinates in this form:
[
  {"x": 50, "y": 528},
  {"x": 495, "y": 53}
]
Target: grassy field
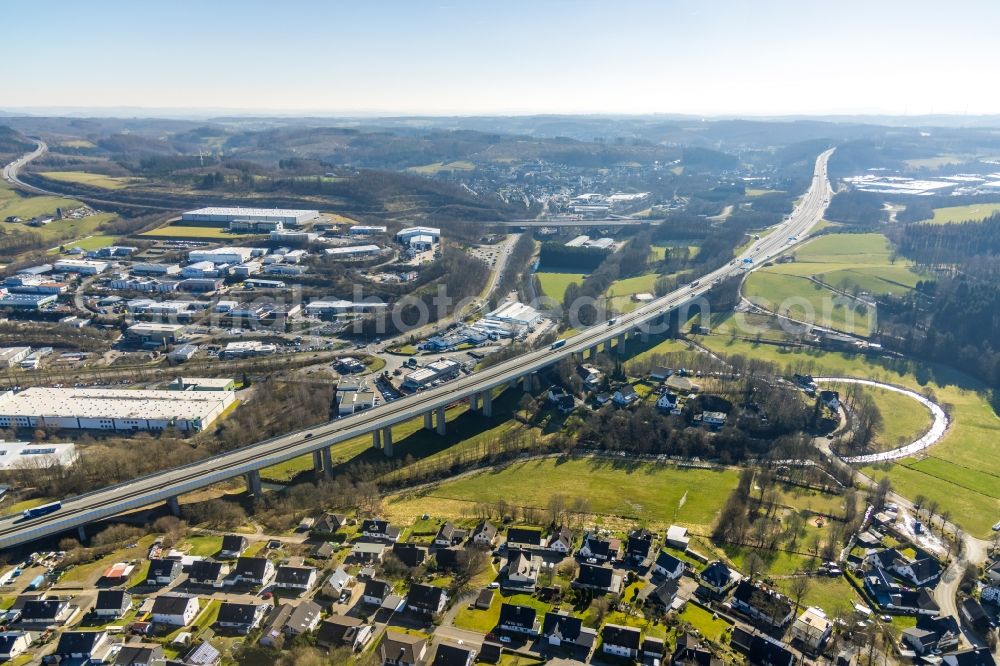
[
  {"x": 94, "y": 242},
  {"x": 708, "y": 626},
  {"x": 802, "y": 299},
  {"x": 963, "y": 472},
  {"x": 554, "y": 284},
  {"x": 180, "y": 231},
  {"x": 89, "y": 179},
  {"x": 903, "y": 419},
  {"x": 13, "y": 203},
  {"x": 757, "y": 191},
  {"x": 974, "y": 212},
  {"x": 204, "y": 545},
  {"x": 654, "y": 490},
  {"x": 438, "y": 167},
  {"x": 634, "y": 285}
]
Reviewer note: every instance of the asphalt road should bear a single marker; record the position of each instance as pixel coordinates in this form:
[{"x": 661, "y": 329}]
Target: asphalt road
[{"x": 169, "y": 483}]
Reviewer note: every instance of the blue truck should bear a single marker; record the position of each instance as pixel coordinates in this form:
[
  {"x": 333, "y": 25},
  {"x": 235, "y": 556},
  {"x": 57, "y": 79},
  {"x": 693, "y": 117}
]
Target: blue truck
[{"x": 42, "y": 510}]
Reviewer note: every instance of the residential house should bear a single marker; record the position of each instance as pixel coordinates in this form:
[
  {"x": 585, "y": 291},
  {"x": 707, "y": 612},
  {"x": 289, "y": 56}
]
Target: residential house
[
  {"x": 621, "y": 641},
  {"x": 662, "y": 596},
  {"x": 974, "y": 614},
  {"x": 690, "y": 651},
  {"x": 762, "y": 604},
  {"x": 485, "y": 599},
  {"x": 653, "y": 649},
  {"x": 397, "y": 649},
  {"x": 982, "y": 656},
  {"x": 162, "y": 571},
  {"x": 518, "y": 619},
  {"x": 717, "y": 579},
  {"x": 590, "y": 376},
  {"x": 208, "y": 573},
  {"x": 367, "y": 553},
  {"x": 233, "y": 546},
  {"x": 175, "y": 610},
  {"x": 713, "y": 419},
  {"x": 831, "y": 399},
  {"x": 522, "y": 570},
  {"x": 273, "y": 635},
  {"x": 342, "y": 630},
  {"x": 625, "y": 395},
  {"x": 596, "y": 548},
  {"x": 140, "y": 654},
  {"x": 932, "y": 635},
  {"x": 112, "y": 604},
  {"x": 338, "y": 581},
  {"x": 484, "y": 534},
  {"x": 303, "y": 618},
  {"x": 376, "y": 591},
  {"x": 83, "y": 646},
  {"x": 409, "y": 554},
  {"x": 47, "y": 612},
  {"x": 446, "y": 536},
  {"x": 380, "y": 530},
  {"x": 14, "y": 643},
  {"x": 887, "y": 594},
  {"x": 667, "y": 402},
  {"x": 561, "y": 540},
  {"x": 600, "y": 579},
  {"x": 812, "y": 629},
  {"x": 426, "y": 599},
  {"x": 328, "y": 524},
  {"x": 324, "y": 550},
  {"x": 253, "y": 571},
  {"x": 520, "y": 537},
  {"x": 668, "y": 565},
  {"x": 921, "y": 571},
  {"x": 561, "y": 630},
  {"x": 660, "y": 372},
  {"x": 299, "y": 579},
  {"x": 203, "y": 654},
  {"x": 639, "y": 546},
  {"x": 761, "y": 650},
  {"x": 490, "y": 652},
  {"x": 993, "y": 571},
  {"x": 677, "y": 537},
  {"x": 453, "y": 655},
  {"x": 239, "y": 617},
  {"x": 450, "y": 558}
]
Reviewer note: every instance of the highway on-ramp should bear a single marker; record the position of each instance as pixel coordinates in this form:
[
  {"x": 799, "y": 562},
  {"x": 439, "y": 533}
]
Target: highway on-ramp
[{"x": 170, "y": 483}]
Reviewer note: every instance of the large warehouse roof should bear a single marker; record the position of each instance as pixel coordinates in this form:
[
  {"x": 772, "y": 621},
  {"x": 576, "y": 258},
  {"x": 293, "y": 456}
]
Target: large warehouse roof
[
  {"x": 237, "y": 211},
  {"x": 111, "y": 403}
]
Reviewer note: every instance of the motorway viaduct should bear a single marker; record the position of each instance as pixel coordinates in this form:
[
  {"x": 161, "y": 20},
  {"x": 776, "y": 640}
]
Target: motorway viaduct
[{"x": 651, "y": 318}]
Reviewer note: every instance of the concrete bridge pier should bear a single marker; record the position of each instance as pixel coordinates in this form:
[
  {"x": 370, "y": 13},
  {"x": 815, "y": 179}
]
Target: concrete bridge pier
[
  {"x": 428, "y": 420},
  {"x": 174, "y": 506},
  {"x": 376, "y": 439},
  {"x": 442, "y": 424},
  {"x": 488, "y": 403},
  {"x": 253, "y": 483},
  {"x": 621, "y": 342},
  {"x": 387, "y": 441},
  {"x": 327, "y": 454},
  {"x": 317, "y": 461},
  {"x": 81, "y": 533},
  {"x": 474, "y": 403}
]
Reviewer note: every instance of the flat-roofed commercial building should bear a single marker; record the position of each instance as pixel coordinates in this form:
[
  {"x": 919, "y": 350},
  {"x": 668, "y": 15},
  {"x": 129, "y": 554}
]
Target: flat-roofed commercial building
[
  {"x": 515, "y": 313},
  {"x": 155, "y": 332},
  {"x": 223, "y": 215},
  {"x": 112, "y": 409},
  {"x": 11, "y": 356},
  {"x": 366, "y": 230},
  {"x": 28, "y": 456},
  {"x": 352, "y": 251},
  {"x": 247, "y": 348},
  {"x": 222, "y": 255},
  {"x": 27, "y": 301},
  {"x": 430, "y": 373},
  {"x": 80, "y": 266},
  {"x": 405, "y": 234}
]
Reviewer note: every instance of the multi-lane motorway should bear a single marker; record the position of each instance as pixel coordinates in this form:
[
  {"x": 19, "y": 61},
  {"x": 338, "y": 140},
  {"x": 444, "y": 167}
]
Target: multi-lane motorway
[{"x": 170, "y": 483}]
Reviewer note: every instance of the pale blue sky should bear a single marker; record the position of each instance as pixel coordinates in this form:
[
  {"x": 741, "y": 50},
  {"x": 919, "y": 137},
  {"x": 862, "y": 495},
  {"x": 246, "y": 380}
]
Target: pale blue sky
[{"x": 567, "y": 56}]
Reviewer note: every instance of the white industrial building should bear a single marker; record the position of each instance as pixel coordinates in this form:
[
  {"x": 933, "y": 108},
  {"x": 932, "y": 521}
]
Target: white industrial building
[
  {"x": 112, "y": 409},
  {"x": 222, "y": 255},
  {"x": 156, "y": 269},
  {"x": 320, "y": 308},
  {"x": 352, "y": 251},
  {"x": 404, "y": 235},
  {"x": 11, "y": 356},
  {"x": 366, "y": 230},
  {"x": 80, "y": 266},
  {"x": 225, "y": 215},
  {"x": 26, "y": 301},
  {"x": 247, "y": 348},
  {"x": 515, "y": 314},
  {"x": 427, "y": 375},
  {"x": 27, "y": 456},
  {"x": 155, "y": 332}
]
